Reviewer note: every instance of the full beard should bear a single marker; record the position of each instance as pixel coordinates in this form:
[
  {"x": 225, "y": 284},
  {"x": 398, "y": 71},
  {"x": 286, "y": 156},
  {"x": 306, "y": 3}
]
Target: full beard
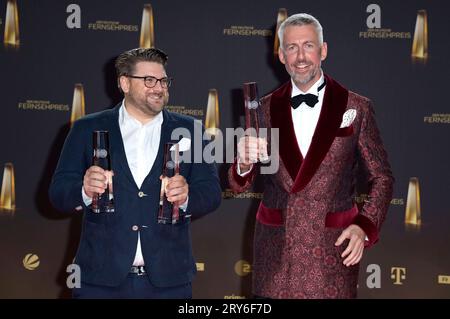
[
  {"x": 146, "y": 106},
  {"x": 157, "y": 105},
  {"x": 304, "y": 79}
]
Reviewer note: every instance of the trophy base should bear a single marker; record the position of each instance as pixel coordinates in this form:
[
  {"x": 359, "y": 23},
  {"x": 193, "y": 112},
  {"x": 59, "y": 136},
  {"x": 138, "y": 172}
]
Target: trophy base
[
  {"x": 103, "y": 210},
  {"x": 172, "y": 221},
  {"x": 166, "y": 221}
]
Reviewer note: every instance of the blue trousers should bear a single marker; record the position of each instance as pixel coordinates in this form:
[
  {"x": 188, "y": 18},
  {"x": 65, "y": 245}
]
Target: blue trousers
[{"x": 134, "y": 287}]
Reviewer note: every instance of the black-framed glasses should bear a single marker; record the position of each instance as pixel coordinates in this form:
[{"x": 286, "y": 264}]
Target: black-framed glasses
[{"x": 150, "y": 81}]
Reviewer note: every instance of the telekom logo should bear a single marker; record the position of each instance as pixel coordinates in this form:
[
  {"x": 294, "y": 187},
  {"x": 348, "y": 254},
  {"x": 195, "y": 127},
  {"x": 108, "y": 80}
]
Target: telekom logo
[{"x": 398, "y": 274}]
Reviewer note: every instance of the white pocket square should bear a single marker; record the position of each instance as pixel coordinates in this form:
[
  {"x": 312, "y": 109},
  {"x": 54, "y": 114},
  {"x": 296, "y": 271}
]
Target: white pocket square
[
  {"x": 348, "y": 118},
  {"x": 183, "y": 145}
]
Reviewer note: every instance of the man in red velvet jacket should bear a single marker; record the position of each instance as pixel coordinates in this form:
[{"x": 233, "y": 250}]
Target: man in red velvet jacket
[{"x": 310, "y": 235}]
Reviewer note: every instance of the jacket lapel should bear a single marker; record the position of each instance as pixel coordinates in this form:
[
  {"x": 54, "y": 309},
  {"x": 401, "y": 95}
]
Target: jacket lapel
[
  {"x": 119, "y": 158},
  {"x": 281, "y": 118},
  {"x": 167, "y": 127},
  {"x": 333, "y": 107}
]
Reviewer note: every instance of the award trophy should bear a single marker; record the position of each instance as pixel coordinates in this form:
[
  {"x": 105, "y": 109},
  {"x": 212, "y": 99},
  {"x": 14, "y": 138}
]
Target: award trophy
[
  {"x": 169, "y": 213},
  {"x": 251, "y": 102},
  {"x": 102, "y": 203}
]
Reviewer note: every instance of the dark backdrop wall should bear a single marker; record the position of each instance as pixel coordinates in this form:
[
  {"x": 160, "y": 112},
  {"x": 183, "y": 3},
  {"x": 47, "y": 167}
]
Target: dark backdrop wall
[{"x": 220, "y": 45}]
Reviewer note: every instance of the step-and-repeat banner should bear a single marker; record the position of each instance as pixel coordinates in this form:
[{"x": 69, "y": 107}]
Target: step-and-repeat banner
[{"x": 57, "y": 64}]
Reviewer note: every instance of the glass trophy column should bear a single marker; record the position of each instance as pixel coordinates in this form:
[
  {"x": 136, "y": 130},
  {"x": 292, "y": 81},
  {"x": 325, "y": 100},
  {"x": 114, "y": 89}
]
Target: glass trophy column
[
  {"x": 102, "y": 203},
  {"x": 169, "y": 213}
]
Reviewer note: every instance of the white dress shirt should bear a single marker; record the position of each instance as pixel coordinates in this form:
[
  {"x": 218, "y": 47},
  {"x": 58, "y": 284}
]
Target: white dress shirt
[
  {"x": 305, "y": 118},
  {"x": 141, "y": 143}
]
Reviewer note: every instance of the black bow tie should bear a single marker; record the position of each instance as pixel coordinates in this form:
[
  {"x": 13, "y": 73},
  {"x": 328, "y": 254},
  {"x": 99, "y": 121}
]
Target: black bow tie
[{"x": 309, "y": 99}]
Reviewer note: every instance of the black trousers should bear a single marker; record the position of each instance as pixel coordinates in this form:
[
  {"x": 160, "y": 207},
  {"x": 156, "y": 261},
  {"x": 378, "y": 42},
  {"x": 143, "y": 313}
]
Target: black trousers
[{"x": 134, "y": 287}]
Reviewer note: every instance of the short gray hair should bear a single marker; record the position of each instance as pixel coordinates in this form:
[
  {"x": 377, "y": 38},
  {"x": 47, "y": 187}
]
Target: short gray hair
[{"x": 300, "y": 19}]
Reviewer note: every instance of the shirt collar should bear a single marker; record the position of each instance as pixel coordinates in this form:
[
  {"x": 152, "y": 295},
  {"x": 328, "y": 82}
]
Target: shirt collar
[
  {"x": 125, "y": 118},
  {"x": 312, "y": 89}
]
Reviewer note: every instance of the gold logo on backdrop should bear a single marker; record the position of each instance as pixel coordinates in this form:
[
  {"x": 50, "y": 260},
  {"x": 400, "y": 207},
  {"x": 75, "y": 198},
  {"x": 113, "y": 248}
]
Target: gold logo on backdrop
[
  {"x": 200, "y": 266},
  {"x": 40, "y": 105},
  {"x": 31, "y": 261},
  {"x": 374, "y": 29},
  {"x": 436, "y": 118},
  {"x": 228, "y": 193},
  {"x": 242, "y": 268},
  {"x": 147, "y": 39},
  {"x": 180, "y": 109},
  {"x": 362, "y": 198},
  {"x": 412, "y": 212},
  {"x": 245, "y": 30},
  {"x": 397, "y": 201},
  {"x": 420, "y": 42},
  {"x": 398, "y": 274},
  {"x": 78, "y": 110},
  {"x": 212, "y": 113},
  {"x": 282, "y": 15},
  {"x": 384, "y": 34},
  {"x": 11, "y": 36},
  {"x": 101, "y": 25},
  {"x": 233, "y": 296},
  {"x": 444, "y": 280},
  {"x": 8, "y": 194}
]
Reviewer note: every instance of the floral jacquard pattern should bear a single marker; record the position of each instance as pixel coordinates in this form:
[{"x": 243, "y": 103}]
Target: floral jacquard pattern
[{"x": 298, "y": 259}]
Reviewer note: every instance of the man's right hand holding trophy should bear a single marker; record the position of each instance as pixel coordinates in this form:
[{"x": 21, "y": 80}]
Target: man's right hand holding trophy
[{"x": 251, "y": 148}]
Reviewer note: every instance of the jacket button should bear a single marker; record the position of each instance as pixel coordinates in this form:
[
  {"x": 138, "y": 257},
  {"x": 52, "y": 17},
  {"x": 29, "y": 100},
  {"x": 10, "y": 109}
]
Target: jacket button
[
  {"x": 141, "y": 194},
  {"x": 135, "y": 228}
]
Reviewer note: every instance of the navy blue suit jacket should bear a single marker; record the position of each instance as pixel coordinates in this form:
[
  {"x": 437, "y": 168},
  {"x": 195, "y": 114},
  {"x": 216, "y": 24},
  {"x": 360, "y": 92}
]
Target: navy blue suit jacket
[{"x": 108, "y": 241}]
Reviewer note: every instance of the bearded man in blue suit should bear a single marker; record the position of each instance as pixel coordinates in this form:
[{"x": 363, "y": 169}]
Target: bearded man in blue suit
[{"x": 127, "y": 253}]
